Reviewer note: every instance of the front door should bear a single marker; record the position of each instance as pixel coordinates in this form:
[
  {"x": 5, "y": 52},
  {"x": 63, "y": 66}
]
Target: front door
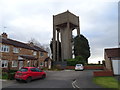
[{"x": 20, "y": 64}]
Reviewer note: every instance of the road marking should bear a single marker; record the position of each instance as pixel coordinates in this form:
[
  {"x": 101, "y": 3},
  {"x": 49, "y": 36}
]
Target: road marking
[{"x": 74, "y": 84}]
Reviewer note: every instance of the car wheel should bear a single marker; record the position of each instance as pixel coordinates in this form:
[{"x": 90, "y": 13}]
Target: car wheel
[
  {"x": 43, "y": 76},
  {"x": 28, "y": 79},
  {"x": 17, "y": 80}
]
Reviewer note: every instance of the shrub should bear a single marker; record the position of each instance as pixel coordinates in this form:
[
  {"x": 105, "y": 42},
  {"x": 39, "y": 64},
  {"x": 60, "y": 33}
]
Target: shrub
[
  {"x": 12, "y": 71},
  {"x": 8, "y": 74},
  {"x": 77, "y": 60},
  {"x": 11, "y": 76},
  {"x": 4, "y": 75},
  {"x": 71, "y": 62}
]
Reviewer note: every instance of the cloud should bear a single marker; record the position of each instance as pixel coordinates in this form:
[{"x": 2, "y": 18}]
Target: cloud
[{"x": 26, "y": 19}]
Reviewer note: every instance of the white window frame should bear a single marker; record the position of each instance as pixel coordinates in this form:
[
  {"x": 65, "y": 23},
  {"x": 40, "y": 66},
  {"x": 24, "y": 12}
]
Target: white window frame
[
  {"x": 0, "y": 48},
  {"x": 4, "y": 48},
  {"x": 15, "y": 50},
  {"x": 4, "y": 62},
  {"x": 41, "y": 54},
  {"x": 34, "y": 53},
  {"x": 28, "y": 63},
  {"x": 14, "y": 63}
]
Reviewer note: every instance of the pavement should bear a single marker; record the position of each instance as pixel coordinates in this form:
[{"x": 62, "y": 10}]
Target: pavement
[
  {"x": 85, "y": 80},
  {"x": 7, "y": 82}
]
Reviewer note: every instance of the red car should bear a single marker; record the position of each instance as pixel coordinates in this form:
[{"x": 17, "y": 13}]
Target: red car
[{"x": 29, "y": 73}]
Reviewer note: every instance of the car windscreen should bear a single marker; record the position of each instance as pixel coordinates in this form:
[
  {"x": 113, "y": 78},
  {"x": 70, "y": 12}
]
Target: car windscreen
[
  {"x": 78, "y": 65},
  {"x": 23, "y": 70}
]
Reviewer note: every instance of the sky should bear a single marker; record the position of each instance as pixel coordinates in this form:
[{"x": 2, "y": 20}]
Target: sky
[{"x": 26, "y": 19}]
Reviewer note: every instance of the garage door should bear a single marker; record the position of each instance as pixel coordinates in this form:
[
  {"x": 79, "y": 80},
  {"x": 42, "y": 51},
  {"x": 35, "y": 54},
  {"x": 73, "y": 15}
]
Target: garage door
[{"x": 116, "y": 67}]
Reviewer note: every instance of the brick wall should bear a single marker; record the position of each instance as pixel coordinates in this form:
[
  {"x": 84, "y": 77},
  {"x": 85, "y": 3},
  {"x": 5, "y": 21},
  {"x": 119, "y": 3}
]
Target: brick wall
[
  {"x": 70, "y": 67},
  {"x": 87, "y": 67},
  {"x": 108, "y": 62},
  {"x": 10, "y": 56},
  {"x": 103, "y": 73},
  {"x": 93, "y": 67}
]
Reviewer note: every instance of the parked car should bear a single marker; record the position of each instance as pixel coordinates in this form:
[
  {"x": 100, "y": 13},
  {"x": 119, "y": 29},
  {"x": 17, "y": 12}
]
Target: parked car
[
  {"x": 79, "y": 67},
  {"x": 29, "y": 73}
]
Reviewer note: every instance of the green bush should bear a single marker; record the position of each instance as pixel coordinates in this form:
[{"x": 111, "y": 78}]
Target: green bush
[
  {"x": 8, "y": 74},
  {"x": 77, "y": 60},
  {"x": 11, "y": 76},
  {"x": 71, "y": 62},
  {"x": 4, "y": 75},
  {"x": 13, "y": 71}
]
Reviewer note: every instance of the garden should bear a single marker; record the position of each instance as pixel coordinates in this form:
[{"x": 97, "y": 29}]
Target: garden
[
  {"x": 107, "y": 82},
  {"x": 7, "y": 74}
]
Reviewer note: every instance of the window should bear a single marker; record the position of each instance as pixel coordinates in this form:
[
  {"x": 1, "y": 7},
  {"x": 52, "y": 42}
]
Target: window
[
  {"x": 23, "y": 70},
  {"x": 4, "y": 63},
  {"x": 0, "y": 48},
  {"x": 35, "y": 70},
  {"x": 28, "y": 63},
  {"x": 42, "y": 54},
  {"x": 4, "y": 48},
  {"x": 0, "y": 63},
  {"x": 42, "y": 64},
  {"x": 14, "y": 63},
  {"x": 34, "y": 53},
  {"x": 38, "y": 70},
  {"x": 16, "y": 50}
]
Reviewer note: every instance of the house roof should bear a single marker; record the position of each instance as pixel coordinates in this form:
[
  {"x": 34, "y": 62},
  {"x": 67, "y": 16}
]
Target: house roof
[
  {"x": 113, "y": 52},
  {"x": 40, "y": 49},
  {"x": 47, "y": 58},
  {"x": 20, "y": 44}
]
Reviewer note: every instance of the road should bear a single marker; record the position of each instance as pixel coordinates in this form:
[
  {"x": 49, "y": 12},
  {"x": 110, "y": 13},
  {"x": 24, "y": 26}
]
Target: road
[{"x": 54, "y": 79}]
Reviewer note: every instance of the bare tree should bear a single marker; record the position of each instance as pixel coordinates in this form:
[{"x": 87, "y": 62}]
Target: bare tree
[
  {"x": 46, "y": 47},
  {"x": 35, "y": 42}
]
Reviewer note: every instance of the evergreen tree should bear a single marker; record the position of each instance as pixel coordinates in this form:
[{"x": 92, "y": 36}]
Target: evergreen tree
[{"x": 81, "y": 47}]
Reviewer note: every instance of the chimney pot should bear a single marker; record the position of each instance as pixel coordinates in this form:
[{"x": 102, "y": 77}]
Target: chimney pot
[{"x": 4, "y": 35}]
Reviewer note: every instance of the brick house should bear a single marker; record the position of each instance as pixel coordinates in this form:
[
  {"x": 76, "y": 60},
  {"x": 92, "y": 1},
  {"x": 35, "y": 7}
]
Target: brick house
[
  {"x": 112, "y": 59},
  {"x": 15, "y": 54}
]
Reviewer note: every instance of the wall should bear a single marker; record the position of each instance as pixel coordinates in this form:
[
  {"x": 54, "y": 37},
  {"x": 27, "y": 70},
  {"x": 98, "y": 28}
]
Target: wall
[
  {"x": 10, "y": 56},
  {"x": 87, "y": 67},
  {"x": 108, "y": 62},
  {"x": 103, "y": 73}
]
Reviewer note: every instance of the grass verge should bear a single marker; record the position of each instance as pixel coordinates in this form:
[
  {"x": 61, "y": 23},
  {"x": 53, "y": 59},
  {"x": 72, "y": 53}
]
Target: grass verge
[{"x": 107, "y": 82}]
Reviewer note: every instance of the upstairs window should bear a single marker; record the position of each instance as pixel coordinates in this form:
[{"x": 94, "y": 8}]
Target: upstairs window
[
  {"x": 34, "y": 53},
  {"x": 4, "y": 48},
  {"x": 41, "y": 54},
  {"x": 15, "y": 50}
]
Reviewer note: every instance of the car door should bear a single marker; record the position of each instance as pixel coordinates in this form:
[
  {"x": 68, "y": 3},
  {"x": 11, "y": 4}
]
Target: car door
[
  {"x": 34, "y": 73},
  {"x": 39, "y": 73}
]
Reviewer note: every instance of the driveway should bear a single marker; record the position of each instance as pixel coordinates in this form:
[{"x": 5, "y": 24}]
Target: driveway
[
  {"x": 58, "y": 79},
  {"x": 85, "y": 79}
]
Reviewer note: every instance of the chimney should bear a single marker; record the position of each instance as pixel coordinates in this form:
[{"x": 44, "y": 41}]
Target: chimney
[
  {"x": 31, "y": 44},
  {"x": 4, "y": 35}
]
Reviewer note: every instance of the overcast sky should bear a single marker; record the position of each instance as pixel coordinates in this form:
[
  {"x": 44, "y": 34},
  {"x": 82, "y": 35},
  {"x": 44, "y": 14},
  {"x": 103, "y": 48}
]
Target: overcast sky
[{"x": 26, "y": 19}]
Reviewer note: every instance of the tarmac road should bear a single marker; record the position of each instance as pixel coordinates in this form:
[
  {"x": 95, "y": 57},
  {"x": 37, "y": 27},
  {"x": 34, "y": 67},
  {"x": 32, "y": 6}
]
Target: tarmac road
[{"x": 57, "y": 79}]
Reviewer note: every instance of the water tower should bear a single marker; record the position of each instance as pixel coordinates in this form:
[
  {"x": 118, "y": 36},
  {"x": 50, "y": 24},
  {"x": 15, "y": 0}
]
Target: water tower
[{"x": 63, "y": 25}]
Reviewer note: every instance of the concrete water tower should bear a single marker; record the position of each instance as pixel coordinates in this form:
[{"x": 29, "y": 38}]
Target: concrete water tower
[{"x": 63, "y": 25}]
